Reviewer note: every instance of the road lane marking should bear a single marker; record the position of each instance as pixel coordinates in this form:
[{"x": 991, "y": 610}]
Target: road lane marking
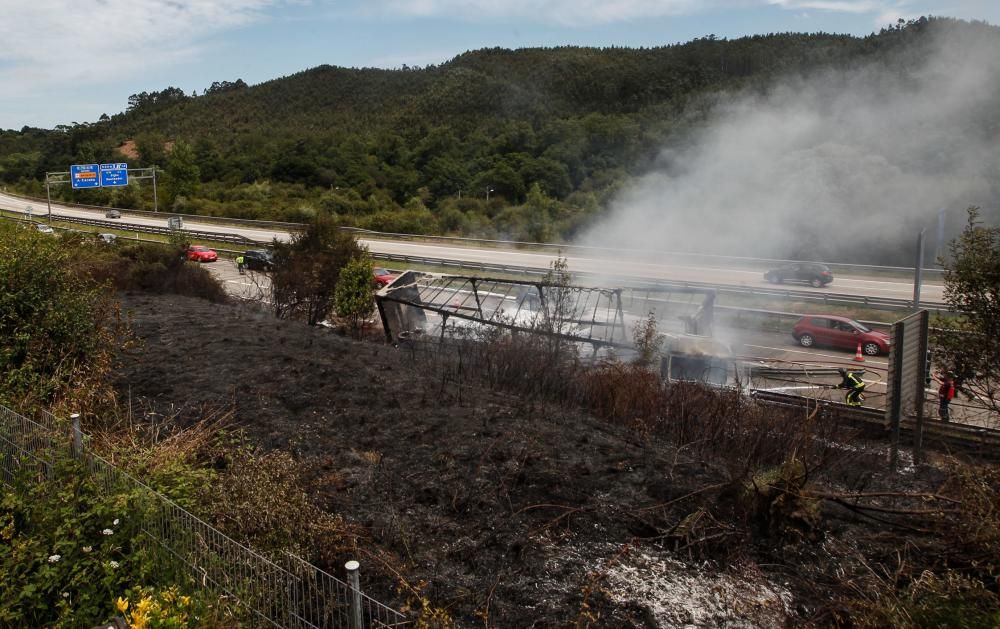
[{"x": 799, "y": 351}]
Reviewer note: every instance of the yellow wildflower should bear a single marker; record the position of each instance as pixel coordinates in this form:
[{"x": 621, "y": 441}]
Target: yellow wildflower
[
  {"x": 143, "y": 606},
  {"x": 121, "y": 604},
  {"x": 185, "y": 601}
]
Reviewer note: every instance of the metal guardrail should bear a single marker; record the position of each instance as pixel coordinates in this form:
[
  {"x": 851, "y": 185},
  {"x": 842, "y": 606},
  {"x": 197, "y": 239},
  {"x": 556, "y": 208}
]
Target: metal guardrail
[
  {"x": 886, "y": 303},
  {"x": 876, "y": 303},
  {"x": 709, "y": 259},
  {"x": 155, "y": 229},
  {"x": 284, "y": 592},
  {"x": 660, "y": 256},
  {"x": 221, "y": 220},
  {"x": 983, "y": 441}
]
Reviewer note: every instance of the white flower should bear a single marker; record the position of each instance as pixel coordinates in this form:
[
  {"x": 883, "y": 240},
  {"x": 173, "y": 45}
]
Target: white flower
[
  {"x": 87, "y": 549},
  {"x": 113, "y": 564},
  {"x": 108, "y": 532},
  {"x": 54, "y": 558},
  {"x": 115, "y": 523},
  {"x": 65, "y": 594}
]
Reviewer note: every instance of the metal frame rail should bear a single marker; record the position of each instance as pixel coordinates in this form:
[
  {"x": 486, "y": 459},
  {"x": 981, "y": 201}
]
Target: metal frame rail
[
  {"x": 825, "y": 298},
  {"x": 984, "y": 441},
  {"x": 155, "y": 229}
]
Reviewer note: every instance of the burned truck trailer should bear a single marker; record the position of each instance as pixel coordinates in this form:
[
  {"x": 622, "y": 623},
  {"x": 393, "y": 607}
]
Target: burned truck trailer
[{"x": 443, "y": 306}]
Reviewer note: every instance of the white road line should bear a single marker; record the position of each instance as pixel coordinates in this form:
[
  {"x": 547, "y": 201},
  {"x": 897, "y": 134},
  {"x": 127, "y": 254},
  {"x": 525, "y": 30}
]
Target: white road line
[{"x": 799, "y": 351}]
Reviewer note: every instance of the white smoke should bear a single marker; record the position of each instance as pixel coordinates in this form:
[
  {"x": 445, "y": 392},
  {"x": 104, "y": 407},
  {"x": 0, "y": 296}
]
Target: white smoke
[{"x": 843, "y": 165}]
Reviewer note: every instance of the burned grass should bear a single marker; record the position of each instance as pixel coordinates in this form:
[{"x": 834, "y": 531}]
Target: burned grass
[{"x": 513, "y": 491}]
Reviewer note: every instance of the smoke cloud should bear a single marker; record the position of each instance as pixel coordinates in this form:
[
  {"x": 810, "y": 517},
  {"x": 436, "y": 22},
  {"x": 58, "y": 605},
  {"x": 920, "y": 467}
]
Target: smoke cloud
[{"x": 845, "y": 165}]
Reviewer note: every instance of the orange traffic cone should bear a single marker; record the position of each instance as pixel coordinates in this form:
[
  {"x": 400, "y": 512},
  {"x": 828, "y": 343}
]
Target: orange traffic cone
[{"x": 857, "y": 355}]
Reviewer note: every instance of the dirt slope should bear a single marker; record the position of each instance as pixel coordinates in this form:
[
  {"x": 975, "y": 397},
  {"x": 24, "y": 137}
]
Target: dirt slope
[{"x": 526, "y": 511}]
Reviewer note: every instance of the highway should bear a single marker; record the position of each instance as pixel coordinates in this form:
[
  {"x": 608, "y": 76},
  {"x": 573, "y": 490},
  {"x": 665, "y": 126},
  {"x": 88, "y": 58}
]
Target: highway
[
  {"x": 775, "y": 349},
  {"x": 608, "y": 268}
]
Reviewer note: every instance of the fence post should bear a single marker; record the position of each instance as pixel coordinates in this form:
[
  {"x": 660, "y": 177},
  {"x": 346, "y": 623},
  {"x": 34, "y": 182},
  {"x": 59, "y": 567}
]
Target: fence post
[
  {"x": 77, "y": 435},
  {"x": 354, "y": 580}
]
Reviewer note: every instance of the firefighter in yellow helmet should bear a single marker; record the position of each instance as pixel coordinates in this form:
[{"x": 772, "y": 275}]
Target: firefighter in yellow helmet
[{"x": 854, "y": 385}]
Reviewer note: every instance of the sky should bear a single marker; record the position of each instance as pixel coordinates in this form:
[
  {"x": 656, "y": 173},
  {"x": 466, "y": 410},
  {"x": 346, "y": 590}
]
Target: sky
[{"x": 66, "y": 62}]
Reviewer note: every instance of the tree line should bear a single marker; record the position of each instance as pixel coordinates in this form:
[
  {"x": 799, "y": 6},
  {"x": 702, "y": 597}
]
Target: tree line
[{"x": 529, "y": 144}]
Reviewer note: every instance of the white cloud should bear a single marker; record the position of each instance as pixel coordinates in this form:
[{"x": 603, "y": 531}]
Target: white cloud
[
  {"x": 563, "y": 12},
  {"x": 591, "y": 12},
  {"x": 835, "y": 6},
  {"x": 67, "y": 42}
]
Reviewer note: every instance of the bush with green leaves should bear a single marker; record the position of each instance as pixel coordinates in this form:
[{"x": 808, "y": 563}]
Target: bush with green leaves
[
  {"x": 355, "y": 289},
  {"x": 967, "y": 345},
  {"x": 69, "y": 550},
  {"x": 306, "y": 270},
  {"x": 57, "y": 327}
]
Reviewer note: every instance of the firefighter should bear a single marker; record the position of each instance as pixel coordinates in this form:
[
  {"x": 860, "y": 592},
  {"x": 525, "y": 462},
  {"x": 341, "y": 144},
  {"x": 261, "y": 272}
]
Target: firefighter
[{"x": 854, "y": 385}]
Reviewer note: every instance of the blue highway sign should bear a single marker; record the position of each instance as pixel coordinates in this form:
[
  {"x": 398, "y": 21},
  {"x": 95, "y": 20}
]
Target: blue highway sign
[
  {"x": 114, "y": 174},
  {"x": 84, "y": 176}
]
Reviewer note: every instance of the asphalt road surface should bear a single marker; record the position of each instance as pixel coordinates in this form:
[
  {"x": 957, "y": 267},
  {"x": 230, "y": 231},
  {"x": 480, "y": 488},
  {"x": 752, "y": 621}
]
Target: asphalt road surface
[{"x": 616, "y": 268}]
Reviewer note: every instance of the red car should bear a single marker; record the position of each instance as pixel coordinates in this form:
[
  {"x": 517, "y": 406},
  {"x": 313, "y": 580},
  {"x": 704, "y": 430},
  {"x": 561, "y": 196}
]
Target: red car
[
  {"x": 383, "y": 277},
  {"x": 834, "y": 331},
  {"x": 197, "y": 253}
]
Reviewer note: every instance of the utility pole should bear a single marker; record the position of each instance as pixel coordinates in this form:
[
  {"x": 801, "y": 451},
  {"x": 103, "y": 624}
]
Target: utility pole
[{"x": 489, "y": 189}]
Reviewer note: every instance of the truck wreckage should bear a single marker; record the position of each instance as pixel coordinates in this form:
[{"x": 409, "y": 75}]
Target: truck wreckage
[{"x": 443, "y": 307}]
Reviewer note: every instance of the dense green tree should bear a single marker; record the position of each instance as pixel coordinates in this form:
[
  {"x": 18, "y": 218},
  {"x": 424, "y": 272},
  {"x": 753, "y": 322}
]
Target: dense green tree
[
  {"x": 360, "y": 143},
  {"x": 355, "y": 291},
  {"x": 307, "y": 269},
  {"x": 181, "y": 175},
  {"x": 970, "y": 345}
]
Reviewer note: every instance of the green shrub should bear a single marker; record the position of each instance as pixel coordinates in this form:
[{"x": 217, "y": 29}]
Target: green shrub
[
  {"x": 57, "y": 329},
  {"x": 68, "y": 551},
  {"x": 354, "y": 292}
]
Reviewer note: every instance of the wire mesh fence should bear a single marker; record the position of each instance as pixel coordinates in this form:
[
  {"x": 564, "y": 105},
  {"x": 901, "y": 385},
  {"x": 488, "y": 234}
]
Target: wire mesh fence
[
  {"x": 23, "y": 442},
  {"x": 285, "y": 592}
]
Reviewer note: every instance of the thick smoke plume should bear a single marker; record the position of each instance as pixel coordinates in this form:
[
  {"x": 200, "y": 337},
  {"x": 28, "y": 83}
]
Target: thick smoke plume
[{"x": 844, "y": 165}]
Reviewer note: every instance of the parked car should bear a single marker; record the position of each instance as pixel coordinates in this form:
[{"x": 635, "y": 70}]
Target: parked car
[
  {"x": 112, "y": 214},
  {"x": 258, "y": 260},
  {"x": 840, "y": 332},
  {"x": 812, "y": 273},
  {"x": 45, "y": 229},
  {"x": 198, "y": 253},
  {"x": 383, "y": 277}
]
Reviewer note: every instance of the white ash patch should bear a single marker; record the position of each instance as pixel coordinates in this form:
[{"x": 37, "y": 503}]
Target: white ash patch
[
  {"x": 676, "y": 594},
  {"x": 679, "y": 595}
]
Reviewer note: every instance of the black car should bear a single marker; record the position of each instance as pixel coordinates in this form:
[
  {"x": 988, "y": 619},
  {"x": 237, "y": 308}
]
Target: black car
[
  {"x": 258, "y": 260},
  {"x": 811, "y": 273}
]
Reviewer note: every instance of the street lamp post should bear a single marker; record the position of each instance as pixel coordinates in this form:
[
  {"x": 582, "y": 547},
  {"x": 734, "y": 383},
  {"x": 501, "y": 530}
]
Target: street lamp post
[
  {"x": 939, "y": 253},
  {"x": 918, "y": 267},
  {"x": 489, "y": 189}
]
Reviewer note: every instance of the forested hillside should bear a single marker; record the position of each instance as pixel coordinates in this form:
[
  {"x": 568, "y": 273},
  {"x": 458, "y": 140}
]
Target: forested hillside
[{"x": 530, "y": 144}]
